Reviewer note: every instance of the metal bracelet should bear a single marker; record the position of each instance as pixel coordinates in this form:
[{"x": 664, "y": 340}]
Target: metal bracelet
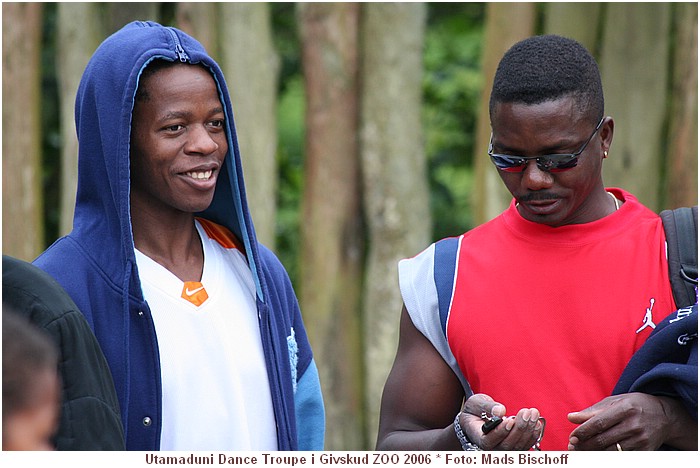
[{"x": 464, "y": 442}]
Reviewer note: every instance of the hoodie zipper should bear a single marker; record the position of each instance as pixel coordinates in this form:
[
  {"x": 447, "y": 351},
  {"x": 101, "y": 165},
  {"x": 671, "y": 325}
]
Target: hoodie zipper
[{"x": 181, "y": 54}]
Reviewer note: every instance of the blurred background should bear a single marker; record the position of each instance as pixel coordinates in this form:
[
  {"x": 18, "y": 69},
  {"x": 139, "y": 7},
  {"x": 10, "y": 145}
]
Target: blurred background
[{"x": 363, "y": 129}]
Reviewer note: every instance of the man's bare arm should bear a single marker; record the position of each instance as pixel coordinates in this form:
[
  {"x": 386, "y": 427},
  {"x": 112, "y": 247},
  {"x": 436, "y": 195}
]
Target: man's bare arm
[{"x": 421, "y": 397}]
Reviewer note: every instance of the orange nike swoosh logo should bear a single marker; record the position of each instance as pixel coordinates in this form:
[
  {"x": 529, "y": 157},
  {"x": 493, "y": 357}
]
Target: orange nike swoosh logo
[{"x": 189, "y": 293}]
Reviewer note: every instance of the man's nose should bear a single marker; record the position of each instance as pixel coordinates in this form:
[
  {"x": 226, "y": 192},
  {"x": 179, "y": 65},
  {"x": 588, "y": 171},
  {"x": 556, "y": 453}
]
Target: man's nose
[
  {"x": 535, "y": 178},
  {"x": 200, "y": 141}
]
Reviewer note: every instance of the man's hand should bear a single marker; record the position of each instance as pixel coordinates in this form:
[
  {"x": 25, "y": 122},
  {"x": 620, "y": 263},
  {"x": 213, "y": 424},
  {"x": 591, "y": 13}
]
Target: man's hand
[
  {"x": 635, "y": 421},
  {"x": 519, "y": 432}
]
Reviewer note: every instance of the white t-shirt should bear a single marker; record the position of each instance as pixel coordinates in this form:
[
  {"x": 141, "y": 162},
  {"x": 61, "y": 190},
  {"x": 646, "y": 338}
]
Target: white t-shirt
[{"x": 215, "y": 388}]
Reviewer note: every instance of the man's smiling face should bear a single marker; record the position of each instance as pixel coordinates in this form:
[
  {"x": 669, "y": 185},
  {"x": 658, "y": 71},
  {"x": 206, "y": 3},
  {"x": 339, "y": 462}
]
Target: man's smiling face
[{"x": 178, "y": 141}]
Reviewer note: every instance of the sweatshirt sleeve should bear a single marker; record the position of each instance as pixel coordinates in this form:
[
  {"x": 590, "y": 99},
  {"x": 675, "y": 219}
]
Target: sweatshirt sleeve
[
  {"x": 310, "y": 413},
  {"x": 308, "y": 399}
]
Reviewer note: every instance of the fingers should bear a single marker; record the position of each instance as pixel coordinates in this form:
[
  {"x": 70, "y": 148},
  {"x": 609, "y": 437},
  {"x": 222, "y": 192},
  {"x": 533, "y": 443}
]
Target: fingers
[
  {"x": 579, "y": 417},
  {"x": 608, "y": 443},
  {"x": 601, "y": 441},
  {"x": 634, "y": 421},
  {"x": 481, "y": 403},
  {"x": 525, "y": 432},
  {"x": 595, "y": 421},
  {"x": 498, "y": 410},
  {"x": 618, "y": 447},
  {"x": 519, "y": 432}
]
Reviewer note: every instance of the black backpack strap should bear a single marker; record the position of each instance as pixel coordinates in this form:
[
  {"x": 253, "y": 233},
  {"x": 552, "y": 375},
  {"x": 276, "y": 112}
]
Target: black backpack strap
[{"x": 681, "y": 227}]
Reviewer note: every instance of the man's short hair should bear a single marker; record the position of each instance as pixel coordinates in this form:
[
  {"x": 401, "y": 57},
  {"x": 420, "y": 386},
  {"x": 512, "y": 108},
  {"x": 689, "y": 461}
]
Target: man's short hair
[
  {"x": 545, "y": 68},
  {"x": 151, "y": 69}
]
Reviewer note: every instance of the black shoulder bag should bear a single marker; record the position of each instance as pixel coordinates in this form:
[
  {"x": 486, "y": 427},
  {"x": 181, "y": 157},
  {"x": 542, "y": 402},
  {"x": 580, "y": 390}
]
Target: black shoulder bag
[{"x": 681, "y": 227}]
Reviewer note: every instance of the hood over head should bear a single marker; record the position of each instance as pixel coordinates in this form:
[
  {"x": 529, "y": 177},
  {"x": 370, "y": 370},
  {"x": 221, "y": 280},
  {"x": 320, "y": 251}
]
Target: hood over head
[{"x": 103, "y": 113}]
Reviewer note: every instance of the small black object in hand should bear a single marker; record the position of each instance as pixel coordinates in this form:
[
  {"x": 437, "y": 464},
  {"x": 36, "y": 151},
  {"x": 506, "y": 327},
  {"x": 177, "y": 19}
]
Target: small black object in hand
[{"x": 490, "y": 423}]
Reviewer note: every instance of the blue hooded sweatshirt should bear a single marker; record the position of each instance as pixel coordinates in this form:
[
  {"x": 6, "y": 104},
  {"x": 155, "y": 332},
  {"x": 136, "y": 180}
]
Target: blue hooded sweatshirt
[{"x": 96, "y": 263}]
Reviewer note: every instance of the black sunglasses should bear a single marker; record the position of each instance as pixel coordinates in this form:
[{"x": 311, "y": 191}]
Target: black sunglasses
[{"x": 549, "y": 162}]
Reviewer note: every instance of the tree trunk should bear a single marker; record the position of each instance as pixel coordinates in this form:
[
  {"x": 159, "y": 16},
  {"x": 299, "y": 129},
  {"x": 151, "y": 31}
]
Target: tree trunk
[
  {"x": 634, "y": 66},
  {"x": 77, "y": 38},
  {"x": 119, "y": 14},
  {"x": 22, "y": 205},
  {"x": 564, "y": 19},
  {"x": 682, "y": 153},
  {"x": 251, "y": 66},
  {"x": 506, "y": 24},
  {"x": 331, "y": 231},
  {"x": 200, "y": 20},
  {"x": 394, "y": 163}
]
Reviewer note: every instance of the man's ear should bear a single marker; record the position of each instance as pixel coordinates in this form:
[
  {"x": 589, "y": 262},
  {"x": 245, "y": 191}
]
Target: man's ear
[{"x": 606, "y": 134}]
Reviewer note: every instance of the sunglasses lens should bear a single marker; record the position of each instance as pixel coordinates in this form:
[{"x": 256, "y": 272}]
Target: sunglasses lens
[
  {"x": 561, "y": 163},
  {"x": 507, "y": 163},
  {"x": 551, "y": 163}
]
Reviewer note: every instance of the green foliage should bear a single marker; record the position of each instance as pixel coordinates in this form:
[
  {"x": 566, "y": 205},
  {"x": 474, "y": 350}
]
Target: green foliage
[
  {"x": 286, "y": 40},
  {"x": 290, "y": 161},
  {"x": 452, "y": 91},
  {"x": 291, "y": 130},
  {"x": 51, "y": 141}
]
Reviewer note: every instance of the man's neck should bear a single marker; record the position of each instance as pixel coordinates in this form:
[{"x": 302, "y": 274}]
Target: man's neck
[{"x": 174, "y": 244}]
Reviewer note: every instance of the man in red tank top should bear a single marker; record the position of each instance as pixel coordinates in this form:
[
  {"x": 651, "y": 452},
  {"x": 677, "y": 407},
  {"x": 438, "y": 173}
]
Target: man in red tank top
[{"x": 532, "y": 317}]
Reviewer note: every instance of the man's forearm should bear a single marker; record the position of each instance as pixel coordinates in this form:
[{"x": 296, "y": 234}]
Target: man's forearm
[{"x": 429, "y": 439}]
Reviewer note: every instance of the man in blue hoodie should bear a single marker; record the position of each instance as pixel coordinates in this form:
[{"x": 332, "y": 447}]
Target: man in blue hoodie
[{"x": 199, "y": 322}]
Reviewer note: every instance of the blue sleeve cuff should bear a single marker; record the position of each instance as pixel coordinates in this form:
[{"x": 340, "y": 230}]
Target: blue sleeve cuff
[{"x": 310, "y": 413}]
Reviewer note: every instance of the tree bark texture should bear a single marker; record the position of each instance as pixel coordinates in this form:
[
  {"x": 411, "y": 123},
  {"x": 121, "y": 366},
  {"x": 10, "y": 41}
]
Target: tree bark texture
[
  {"x": 78, "y": 36},
  {"x": 119, "y": 14},
  {"x": 506, "y": 24},
  {"x": 394, "y": 163},
  {"x": 682, "y": 150},
  {"x": 251, "y": 67},
  {"x": 634, "y": 67},
  {"x": 579, "y": 21},
  {"x": 331, "y": 231},
  {"x": 200, "y": 20},
  {"x": 22, "y": 206}
]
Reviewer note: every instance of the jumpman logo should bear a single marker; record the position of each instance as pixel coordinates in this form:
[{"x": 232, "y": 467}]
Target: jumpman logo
[{"x": 647, "y": 318}]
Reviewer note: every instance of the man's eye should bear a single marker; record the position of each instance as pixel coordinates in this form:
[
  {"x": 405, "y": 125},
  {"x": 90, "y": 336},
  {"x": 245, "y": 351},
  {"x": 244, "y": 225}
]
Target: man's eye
[
  {"x": 217, "y": 123},
  {"x": 174, "y": 128}
]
